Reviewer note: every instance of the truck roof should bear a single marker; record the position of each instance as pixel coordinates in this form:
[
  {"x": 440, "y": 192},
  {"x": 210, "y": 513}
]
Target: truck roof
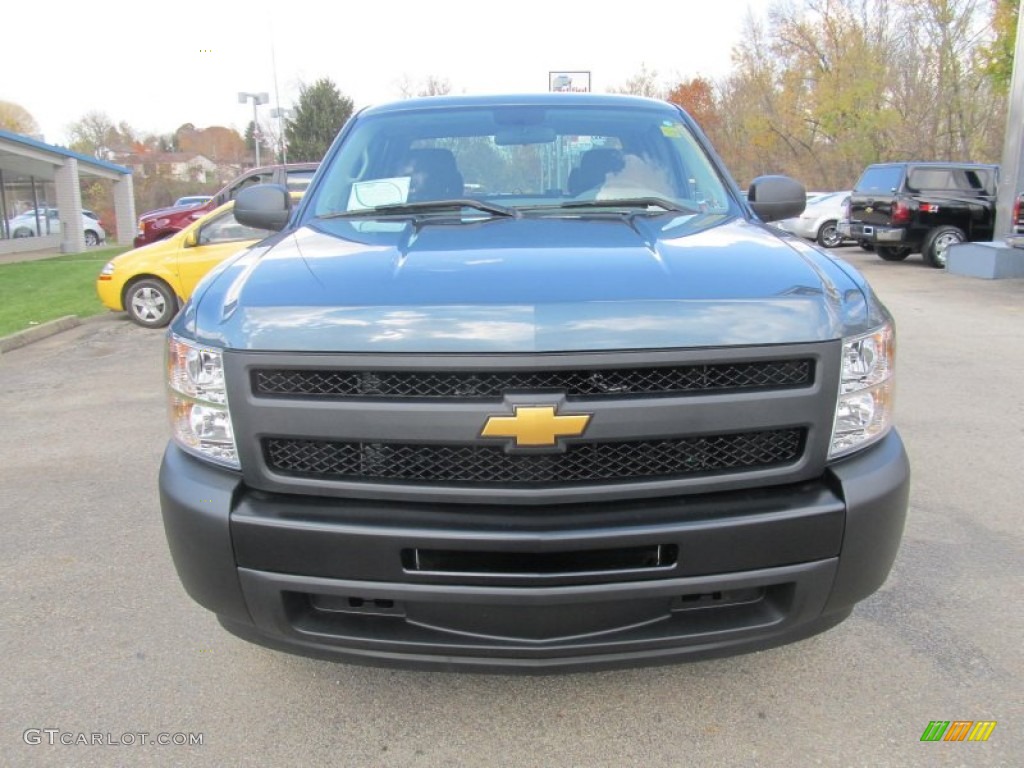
[{"x": 521, "y": 99}]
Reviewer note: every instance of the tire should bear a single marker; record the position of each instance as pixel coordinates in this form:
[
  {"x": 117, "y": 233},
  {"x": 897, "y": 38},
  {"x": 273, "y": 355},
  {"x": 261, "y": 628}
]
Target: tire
[
  {"x": 866, "y": 246},
  {"x": 892, "y": 252},
  {"x": 936, "y": 245},
  {"x": 150, "y": 303},
  {"x": 22, "y": 232},
  {"x": 828, "y": 235},
  {"x": 91, "y": 238}
]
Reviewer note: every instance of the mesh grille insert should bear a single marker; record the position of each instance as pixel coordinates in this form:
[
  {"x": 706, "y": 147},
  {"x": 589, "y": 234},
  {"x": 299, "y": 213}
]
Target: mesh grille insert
[
  {"x": 491, "y": 465},
  {"x": 461, "y": 385}
]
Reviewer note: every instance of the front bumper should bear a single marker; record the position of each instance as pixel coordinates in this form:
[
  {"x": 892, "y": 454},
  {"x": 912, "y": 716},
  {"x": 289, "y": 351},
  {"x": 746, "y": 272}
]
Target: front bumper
[
  {"x": 109, "y": 292},
  {"x": 536, "y": 588}
]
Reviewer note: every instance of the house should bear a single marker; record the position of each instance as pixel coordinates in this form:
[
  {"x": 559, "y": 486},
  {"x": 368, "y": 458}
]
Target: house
[{"x": 183, "y": 166}]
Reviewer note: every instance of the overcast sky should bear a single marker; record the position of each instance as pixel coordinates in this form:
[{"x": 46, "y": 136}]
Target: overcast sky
[{"x": 158, "y": 65}]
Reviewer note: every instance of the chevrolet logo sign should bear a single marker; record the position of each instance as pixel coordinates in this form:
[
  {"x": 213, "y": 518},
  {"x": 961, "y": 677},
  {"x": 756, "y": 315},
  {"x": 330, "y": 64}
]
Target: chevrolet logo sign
[{"x": 535, "y": 426}]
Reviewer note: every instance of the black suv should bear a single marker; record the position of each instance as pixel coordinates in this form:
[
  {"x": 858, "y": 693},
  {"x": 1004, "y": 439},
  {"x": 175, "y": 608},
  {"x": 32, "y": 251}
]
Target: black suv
[{"x": 900, "y": 208}]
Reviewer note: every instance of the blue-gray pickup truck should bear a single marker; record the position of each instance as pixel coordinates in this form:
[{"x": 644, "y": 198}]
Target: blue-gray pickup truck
[{"x": 526, "y": 383}]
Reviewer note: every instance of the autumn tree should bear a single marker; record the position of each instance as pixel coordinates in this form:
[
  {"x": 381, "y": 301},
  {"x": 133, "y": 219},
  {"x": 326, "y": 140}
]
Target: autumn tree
[
  {"x": 697, "y": 97},
  {"x": 320, "y": 113},
  {"x": 997, "y": 55},
  {"x": 16, "y": 119},
  {"x": 216, "y": 142},
  {"x": 822, "y": 88}
]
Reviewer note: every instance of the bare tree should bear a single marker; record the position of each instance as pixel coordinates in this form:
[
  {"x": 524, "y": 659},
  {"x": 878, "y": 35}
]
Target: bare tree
[
  {"x": 431, "y": 85},
  {"x": 642, "y": 83}
]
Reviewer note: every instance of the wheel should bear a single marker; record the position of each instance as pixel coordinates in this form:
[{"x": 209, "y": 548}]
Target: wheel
[
  {"x": 22, "y": 232},
  {"x": 936, "y": 245},
  {"x": 91, "y": 238},
  {"x": 828, "y": 235},
  {"x": 866, "y": 246},
  {"x": 892, "y": 252},
  {"x": 150, "y": 303}
]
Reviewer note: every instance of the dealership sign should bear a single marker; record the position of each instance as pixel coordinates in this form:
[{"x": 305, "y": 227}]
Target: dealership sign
[{"x": 569, "y": 82}]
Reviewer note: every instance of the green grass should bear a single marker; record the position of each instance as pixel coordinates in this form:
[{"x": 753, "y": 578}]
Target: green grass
[{"x": 33, "y": 292}]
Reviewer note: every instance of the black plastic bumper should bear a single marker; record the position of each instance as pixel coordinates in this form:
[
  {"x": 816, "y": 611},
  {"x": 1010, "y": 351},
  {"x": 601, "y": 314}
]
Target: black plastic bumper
[{"x": 540, "y": 588}]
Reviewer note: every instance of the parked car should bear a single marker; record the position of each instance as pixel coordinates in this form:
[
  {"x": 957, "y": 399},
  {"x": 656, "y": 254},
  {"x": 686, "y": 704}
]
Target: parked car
[
  {"x": 901, "y": 208},
  {"x": 1018, "y": 214},
  {"x": 164, "y": 222},
  {"x": 150, "y": 282},
  {"x": 191, "y": 200},
  {"x": 820, "y": 219},
  {"x": 47, "y": 220}
]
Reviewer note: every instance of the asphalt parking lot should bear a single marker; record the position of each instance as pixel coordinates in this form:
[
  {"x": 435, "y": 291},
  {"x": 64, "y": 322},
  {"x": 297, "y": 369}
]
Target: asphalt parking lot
[{"x": 99, "y": 637}]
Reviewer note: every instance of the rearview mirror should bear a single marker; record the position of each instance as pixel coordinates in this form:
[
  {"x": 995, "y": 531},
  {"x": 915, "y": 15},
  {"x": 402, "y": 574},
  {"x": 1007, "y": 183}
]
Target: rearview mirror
[
  {"x": 264, "y": 206},
  {"x": 776, "y": 197},
  {"x": 191, "y": 239}
]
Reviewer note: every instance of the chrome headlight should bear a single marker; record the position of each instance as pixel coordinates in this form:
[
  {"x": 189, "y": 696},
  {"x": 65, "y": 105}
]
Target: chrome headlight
[
  {"x": 866, "y": 389},
  {"x": 198, "y": 402}
]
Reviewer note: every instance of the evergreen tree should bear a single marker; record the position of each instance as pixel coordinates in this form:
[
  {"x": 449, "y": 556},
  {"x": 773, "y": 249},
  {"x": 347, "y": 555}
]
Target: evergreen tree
[{"x": 321, "y": 112}]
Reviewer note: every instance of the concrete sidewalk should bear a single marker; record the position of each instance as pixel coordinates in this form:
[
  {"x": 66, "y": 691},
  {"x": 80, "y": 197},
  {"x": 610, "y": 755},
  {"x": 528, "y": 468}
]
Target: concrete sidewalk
[{"x": 14, "y": 258}]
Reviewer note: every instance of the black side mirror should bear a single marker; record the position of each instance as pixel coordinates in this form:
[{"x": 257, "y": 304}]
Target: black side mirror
[
  {"x": 264, "y": 206},
  {"x": 776, "y": 197}
]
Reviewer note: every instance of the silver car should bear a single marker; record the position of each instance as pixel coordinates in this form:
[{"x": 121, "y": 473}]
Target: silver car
[
  {"x": 47, "y": 221},
  {"x": 820, "y": 219}
]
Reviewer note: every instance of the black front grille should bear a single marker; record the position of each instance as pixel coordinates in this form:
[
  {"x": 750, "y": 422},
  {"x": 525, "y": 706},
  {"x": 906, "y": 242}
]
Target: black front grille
[
  {"x": 491, "y": 465},
  {"x": 462, "y": 385}
]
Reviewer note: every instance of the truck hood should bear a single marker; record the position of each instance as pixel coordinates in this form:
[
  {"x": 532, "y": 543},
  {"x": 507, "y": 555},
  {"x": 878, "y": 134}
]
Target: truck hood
[{"x": 528, "y": 285}]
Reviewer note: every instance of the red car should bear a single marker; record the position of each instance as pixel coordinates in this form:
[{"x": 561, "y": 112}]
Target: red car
[{"x": 164, "y": 222}]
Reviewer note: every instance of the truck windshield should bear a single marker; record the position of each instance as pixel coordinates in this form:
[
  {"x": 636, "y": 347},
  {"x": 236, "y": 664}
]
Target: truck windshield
[{"x": 540, "y": 159}]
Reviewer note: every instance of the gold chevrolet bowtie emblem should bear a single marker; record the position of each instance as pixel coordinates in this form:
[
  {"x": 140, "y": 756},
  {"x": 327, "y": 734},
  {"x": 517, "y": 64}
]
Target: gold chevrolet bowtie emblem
[{"x": 534, "y": 426}]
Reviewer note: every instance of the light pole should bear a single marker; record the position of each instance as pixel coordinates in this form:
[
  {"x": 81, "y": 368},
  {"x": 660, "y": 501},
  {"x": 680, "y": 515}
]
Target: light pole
[
  {"x": 280, "y": 113},
  {"x": 257, "y": 99}
]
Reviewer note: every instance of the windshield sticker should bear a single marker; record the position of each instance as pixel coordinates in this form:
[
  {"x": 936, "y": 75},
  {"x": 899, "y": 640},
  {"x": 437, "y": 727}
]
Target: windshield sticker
[
  {"x": 371, "y": 194},
  {"x": 673, "y": 130}
]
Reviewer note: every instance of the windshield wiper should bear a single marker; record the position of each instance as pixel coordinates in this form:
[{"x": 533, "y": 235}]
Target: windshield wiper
[
  {"x": 426, "y": 206},
  {"x": 626, "y": 202}
]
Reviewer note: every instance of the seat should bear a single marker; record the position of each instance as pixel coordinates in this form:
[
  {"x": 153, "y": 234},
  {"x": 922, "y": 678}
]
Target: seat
[
  {"x": 594, "y": 167},
  {"x": 433, "y": 175}
]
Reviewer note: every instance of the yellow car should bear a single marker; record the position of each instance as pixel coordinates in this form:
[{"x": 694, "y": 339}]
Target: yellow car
[{"x": 151, "y": 282}]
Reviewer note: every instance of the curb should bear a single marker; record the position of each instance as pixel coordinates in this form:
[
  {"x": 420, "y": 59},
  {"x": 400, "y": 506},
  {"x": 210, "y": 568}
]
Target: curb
[{"x": 38, "y": 332}]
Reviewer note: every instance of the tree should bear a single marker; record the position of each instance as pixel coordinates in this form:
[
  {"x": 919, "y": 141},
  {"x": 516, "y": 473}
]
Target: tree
[
  {"x": 431, "y": 85},
  {"x": 95, "y": 134},
  {"x": 826, "y": 87},
  {"x": 697, "y": 97},
  {"x": 254, "y": 131},
  {"x": 16, "y": 119},
  {"x": 222, "y": 145},
  {"x": 643, "y": 83},
  {"x": 321, "y": 112},
  {"x": 997, "y": 56}
]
